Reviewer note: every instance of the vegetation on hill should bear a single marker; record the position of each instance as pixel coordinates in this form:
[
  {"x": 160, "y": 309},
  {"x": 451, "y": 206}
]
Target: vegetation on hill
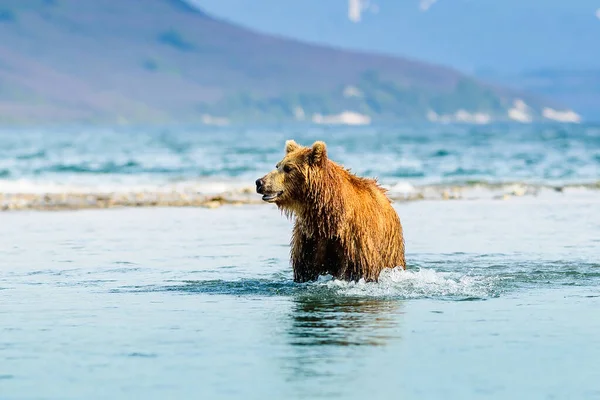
[{"x": 116, "y": 61}]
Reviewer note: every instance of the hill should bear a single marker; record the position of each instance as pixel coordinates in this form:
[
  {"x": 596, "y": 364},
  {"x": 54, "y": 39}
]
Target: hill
[
  {"x": 123, "y": 61},
  {"x": 508, "y": 35},
  {"x": 578, "y": 88}
]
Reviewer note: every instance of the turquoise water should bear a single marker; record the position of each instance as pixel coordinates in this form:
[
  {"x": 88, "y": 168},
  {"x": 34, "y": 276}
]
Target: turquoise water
[
  {"x": 214, "y": 158},
  {"x": 500, "y": 300}
]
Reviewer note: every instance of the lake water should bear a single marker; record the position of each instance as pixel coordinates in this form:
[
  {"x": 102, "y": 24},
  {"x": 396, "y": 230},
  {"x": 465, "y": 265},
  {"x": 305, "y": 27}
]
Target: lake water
[
  {"x": 213, "y": 159},
  {"x": 500, "y": 300}
]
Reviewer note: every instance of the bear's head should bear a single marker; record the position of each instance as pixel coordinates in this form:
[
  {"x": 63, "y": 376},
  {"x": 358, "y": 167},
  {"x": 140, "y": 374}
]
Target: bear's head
[{"x": 288, "y": 183}]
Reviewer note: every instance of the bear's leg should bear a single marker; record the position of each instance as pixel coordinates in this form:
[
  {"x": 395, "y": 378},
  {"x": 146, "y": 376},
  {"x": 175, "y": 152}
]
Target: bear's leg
[
  {"x": 350, "y": 272},
  {"x": 304, "y": 255},
  {"x": 305, "y": 275}
]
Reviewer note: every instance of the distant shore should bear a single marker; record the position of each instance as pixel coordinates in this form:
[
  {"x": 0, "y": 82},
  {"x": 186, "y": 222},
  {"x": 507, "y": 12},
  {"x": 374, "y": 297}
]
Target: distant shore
[{"x": 246, "y": 196}]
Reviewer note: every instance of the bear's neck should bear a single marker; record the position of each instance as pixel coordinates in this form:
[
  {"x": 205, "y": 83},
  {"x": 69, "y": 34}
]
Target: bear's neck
[{"x": 323, "y": 209}]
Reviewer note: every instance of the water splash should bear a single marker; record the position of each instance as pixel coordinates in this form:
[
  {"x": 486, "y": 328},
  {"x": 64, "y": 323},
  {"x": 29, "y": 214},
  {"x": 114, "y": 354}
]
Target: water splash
[
  {"x": 393, "y": 283},
  {"x": 422, "y": 283}
]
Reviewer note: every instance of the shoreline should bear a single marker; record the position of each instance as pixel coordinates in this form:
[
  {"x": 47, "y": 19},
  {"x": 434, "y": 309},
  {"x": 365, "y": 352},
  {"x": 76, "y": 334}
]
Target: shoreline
[{"x": 64, "y": 201}]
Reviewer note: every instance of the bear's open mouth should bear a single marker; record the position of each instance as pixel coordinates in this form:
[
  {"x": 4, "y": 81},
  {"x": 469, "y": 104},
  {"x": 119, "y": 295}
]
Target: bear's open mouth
[{"x": 272, "y": 196}]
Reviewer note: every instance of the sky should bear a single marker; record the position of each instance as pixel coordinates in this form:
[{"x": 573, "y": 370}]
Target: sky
[{"x": 470, "y": 35}]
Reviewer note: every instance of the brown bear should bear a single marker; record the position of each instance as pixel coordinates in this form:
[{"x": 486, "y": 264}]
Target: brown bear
[{"x": 344, "y": 225}]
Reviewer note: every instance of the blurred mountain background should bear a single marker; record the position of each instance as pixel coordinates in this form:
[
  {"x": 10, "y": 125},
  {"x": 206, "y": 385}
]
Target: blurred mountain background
[
  {"x": 222, "y": 61},
  {"x": 546, "y": 47}
]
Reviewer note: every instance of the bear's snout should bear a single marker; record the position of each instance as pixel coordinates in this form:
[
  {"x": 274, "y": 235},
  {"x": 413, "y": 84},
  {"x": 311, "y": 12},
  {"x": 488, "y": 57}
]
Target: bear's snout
[{"x": 259, "y": 186}]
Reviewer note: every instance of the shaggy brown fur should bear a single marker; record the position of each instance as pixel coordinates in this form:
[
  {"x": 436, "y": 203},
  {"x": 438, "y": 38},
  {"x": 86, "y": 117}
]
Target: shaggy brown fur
[{"x": 344, "y": 225}]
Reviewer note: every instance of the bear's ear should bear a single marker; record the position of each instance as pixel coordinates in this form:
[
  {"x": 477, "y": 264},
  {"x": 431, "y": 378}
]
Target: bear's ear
[
  {"x": 290, "y": 146},
  {"x": 318, "y": 153}
]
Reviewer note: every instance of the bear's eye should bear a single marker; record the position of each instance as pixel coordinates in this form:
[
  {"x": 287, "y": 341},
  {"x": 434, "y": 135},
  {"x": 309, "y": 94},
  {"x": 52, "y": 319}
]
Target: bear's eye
[{"x": 287, "y": 169}]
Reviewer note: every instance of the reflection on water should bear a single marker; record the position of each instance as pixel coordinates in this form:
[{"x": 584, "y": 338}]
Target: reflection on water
[
  {"x": 343, "y": 321},
  {"x": 332, "y": 339}
]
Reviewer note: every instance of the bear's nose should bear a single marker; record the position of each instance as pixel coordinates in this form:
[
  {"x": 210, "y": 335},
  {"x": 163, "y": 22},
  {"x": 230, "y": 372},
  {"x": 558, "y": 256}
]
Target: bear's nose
[{"x": 259, "y": 185}]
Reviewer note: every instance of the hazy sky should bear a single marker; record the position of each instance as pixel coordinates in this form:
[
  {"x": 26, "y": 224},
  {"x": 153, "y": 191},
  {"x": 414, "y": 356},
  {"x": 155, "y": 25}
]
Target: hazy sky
[{"x": 504, "y": 35}]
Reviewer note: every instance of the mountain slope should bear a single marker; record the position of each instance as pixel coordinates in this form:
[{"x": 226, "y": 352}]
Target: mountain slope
[
  {"x": 578, "y": 88},
  {"x": 507, "y": 35},
  {"x": 119, "y": 60}
]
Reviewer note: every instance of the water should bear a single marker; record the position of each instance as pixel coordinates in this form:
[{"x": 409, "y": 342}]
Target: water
[
  {"x": 215, "y": 159},
  {"x": 500, "y": 298}
]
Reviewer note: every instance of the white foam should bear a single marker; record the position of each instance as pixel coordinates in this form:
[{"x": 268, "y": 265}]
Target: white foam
[
  {"x": 24, "y": 186},
  {"x": 421, "y": 283},
  {"x": 402, "y": 188},
  {"x": 32, "y": 187}
]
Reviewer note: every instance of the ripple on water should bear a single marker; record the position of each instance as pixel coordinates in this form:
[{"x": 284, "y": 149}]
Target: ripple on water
[
  {"x": 393, "y": 283},
  {"x": 466, "y": 282},
  {"x": 142, "y": 355}
]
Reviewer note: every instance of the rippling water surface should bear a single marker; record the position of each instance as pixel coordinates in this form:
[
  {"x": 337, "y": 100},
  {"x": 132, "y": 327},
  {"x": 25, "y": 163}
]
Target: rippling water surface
[
  {"x": 500, "y": 298},
  {"x": 215, "y": 158}
]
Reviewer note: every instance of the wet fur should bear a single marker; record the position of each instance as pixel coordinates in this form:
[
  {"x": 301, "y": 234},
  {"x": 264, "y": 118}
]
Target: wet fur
[{"x": 344, "y": 225}]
